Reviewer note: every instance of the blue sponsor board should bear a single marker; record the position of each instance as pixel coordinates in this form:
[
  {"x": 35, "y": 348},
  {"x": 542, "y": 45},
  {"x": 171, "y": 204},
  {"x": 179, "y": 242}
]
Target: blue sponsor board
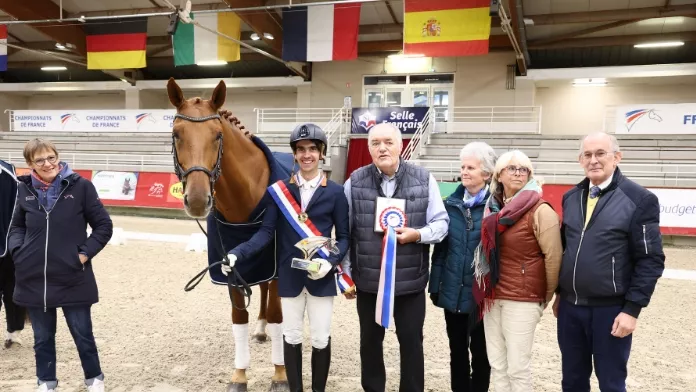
[{"x": 406, "y": 119}]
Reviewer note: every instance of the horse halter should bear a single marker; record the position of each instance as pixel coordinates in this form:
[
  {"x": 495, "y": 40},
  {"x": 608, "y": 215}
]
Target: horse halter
[{"x": 217, "y": 169}]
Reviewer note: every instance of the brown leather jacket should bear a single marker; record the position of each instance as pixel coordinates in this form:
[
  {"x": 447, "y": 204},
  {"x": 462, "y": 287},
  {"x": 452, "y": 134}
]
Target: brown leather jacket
[{"x": 530, "y": 255}]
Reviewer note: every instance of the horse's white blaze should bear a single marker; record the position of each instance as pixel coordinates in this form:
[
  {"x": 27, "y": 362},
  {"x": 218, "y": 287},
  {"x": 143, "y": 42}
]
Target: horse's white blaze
[
  {"x": 260, "y": 327},
  {"x": 275, "y": 331},
  {"x": 241, "y": 346}
]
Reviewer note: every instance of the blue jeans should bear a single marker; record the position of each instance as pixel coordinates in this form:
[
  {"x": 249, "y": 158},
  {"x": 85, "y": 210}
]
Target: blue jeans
[
  {"x": 584, "y": 337},
  {"x": 79, "y": 320}
]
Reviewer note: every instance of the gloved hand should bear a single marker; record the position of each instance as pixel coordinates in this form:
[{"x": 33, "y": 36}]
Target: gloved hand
[
  {"x": 324, "y": 269},
  {"x": 226, "y": 269},
  {"x": 434, "y": 297}
]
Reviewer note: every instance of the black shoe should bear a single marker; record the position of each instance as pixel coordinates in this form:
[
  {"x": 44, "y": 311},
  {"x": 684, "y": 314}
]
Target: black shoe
[
  {"x": 321, "y": 362},
  {"x": 292, "y": 354}
]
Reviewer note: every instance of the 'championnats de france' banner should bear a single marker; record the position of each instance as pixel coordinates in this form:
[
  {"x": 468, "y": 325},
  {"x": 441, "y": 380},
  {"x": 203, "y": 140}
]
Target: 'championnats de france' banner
[
  {"x": 407, "y": 119},
  {"x": 656, "y": 119},
  {"x": 93, "y": 120}
]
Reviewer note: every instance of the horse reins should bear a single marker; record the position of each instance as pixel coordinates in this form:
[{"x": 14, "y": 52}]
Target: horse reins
[{"x": 234, "y": 279}]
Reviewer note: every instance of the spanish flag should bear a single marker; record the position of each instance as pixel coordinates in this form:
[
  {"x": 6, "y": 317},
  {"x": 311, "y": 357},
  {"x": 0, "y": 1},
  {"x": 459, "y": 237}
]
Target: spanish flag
[
  {"x": 116, "y": 44},
  {"x": 439, "y": 28}
]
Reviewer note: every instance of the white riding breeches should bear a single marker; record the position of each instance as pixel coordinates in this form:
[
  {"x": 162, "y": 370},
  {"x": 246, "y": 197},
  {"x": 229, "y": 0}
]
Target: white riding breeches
[{"x": 319, "y": 311}]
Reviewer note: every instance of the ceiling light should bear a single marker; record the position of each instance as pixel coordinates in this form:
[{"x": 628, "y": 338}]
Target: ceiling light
[
  {"x": 528, "y": 21},
  {"x": 209, "y": 63},
  {"x": 268, "y": 35},
  {"x": 60, "y": 46},
  {"x": 665, "y": 44},
  {"x": 54, "y": 68},
  {"x": 591, "y": 82},
  {"x": 404, "y": 56},
  {"x": 254, "y": 36},
  {"x": 82, "y": 19}
]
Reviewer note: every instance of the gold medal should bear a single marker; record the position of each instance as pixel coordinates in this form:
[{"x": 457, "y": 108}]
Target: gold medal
[{"x": 303, "y": 217}]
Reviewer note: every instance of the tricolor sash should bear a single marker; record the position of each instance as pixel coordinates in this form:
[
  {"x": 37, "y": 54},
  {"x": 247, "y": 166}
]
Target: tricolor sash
[
  {"x": 389, "y": 219},
  {"x": 304, "y": 227}
]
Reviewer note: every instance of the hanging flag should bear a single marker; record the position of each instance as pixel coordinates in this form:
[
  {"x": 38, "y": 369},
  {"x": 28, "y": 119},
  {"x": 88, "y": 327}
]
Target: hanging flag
[
  {"x": 193, "y": 45},
  {"x": 321, "y": 33},
  {"x": 439, "y": 28},
  {"x": 3, "y": 48},
  {"x": 116, "y": 44}
]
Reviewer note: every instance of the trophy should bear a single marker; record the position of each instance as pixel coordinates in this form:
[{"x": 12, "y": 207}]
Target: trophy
[{"x": 309, "y": 247}]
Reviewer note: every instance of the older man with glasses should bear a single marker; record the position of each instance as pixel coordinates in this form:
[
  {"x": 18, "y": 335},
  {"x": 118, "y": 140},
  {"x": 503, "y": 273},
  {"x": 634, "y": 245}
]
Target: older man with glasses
[{"x": 611, "y": 263}]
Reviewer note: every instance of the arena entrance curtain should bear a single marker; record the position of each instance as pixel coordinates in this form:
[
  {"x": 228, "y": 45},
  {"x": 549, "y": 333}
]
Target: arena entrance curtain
[{"x": 359, "y": 155}]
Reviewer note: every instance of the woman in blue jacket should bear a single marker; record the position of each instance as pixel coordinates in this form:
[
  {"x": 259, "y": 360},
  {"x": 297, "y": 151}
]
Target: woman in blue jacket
[
  {"x": 452, "y": 273},
  {"x": 53, "y": 258}
]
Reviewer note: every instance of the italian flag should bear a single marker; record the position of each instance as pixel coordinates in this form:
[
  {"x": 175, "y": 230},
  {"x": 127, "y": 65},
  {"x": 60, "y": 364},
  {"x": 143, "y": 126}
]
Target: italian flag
[{"x": 193, "y": 45}]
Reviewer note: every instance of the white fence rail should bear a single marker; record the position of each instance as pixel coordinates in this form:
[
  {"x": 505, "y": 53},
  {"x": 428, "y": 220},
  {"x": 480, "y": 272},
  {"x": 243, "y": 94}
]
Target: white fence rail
[
  {"x": 477, "y": 119},
  {"x": 123, "y": 162},
  {"x": 414, "y": 148}
]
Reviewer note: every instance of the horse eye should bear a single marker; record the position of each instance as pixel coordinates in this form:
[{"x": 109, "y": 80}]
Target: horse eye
[
  {"x": 175, "y": 136},
  {"x": 219, "y": 136}
]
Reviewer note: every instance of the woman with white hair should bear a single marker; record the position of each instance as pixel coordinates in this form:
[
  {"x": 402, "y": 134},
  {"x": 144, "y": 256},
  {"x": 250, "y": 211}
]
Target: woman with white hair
[
  {"x": 452, "y": 274},
  {"x": 516, "y": 269}
]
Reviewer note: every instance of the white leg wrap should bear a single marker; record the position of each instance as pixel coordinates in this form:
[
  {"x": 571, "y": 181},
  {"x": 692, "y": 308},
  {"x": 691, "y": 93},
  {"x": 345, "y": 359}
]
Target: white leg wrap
[
  {"x": 241, "y": 345},
  {"x": 260, "y": 327},
  {"x": 276, "y": 333}
]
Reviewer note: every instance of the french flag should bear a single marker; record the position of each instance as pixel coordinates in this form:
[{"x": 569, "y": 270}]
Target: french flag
[
  {"x": 3, "y": 48},
  {"x": 321, "y": 33}
]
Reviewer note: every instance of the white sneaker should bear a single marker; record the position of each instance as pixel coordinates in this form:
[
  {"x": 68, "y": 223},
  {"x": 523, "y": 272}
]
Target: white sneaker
[
  {"x": 15, "y": 337},
  {"x": 44, "y": 388},
  {"x": 97, "y": 386}
]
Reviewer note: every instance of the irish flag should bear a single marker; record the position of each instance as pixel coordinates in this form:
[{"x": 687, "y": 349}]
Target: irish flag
[
  {"x": 3, "y": 48},
  {"x": 439, "y": 28},
  {"x": 194, "y": 45},
  {"x": 321, "y": 33}
]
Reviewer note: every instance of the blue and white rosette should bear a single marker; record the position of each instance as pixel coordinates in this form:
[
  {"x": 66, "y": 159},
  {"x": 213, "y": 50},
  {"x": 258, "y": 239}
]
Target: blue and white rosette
[{"x": 390, "y": 219}]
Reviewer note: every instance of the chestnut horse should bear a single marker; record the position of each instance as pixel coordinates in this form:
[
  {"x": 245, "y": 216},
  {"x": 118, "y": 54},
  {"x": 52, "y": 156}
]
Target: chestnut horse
[{"x": 222, "y": 167}]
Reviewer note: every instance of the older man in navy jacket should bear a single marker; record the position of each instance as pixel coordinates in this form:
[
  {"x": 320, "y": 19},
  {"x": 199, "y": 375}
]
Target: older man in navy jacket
[
  {"x": 612, "y": 260},
  {"x": 14, "y": 314},
  {"x": 305, "y": 205}
]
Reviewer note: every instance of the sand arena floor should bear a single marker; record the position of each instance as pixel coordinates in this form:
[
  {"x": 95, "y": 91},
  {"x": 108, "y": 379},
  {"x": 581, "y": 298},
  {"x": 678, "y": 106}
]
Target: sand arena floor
[{"x": 154, "y": 337}]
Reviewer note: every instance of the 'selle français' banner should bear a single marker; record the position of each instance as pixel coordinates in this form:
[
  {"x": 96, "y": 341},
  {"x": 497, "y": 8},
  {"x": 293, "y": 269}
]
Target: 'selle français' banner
[
  {"x": 656, "y": 119},
  {"x": 406, "y": 119},
  {"x": 93, "y": 120}
]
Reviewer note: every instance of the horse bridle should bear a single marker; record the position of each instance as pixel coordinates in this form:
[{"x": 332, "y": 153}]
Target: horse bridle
[{"x": 234, "y": 279}]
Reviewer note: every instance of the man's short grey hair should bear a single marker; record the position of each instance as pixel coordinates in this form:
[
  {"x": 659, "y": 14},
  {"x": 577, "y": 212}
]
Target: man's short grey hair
[
  {"x": 612, "y": 139},
  {"x": 483, "y": 152},
  {"x": 379, "y": 126}
]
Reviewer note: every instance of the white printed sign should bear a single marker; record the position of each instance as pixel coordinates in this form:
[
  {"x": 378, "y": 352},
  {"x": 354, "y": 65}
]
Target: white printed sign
[
  {"x": 93, "y": 120},
  {"x": 677, "y": 207},
  {"x": 115, "y": 185},
  {"x": 656, "y": 119}
]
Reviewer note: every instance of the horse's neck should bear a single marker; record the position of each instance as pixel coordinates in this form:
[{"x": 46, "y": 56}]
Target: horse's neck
[{"x": 244, "y": 178}]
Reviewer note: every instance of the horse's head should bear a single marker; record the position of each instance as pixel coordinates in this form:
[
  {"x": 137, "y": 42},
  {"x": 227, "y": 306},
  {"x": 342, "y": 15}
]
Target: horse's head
[{"x": 197, "y": 146}]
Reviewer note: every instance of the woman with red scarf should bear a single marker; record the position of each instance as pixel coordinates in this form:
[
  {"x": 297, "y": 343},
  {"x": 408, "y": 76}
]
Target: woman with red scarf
[{"x": 516, "y": 269}]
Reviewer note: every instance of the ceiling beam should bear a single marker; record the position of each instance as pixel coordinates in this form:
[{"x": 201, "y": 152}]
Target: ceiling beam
[
  {"x": 619, "y": 40},
  {"x": 580, "y": 33},
  {"x": 520, "y": 35},
  {"x": 46, "y": 9},
  {"x": 613, "y": 15}
]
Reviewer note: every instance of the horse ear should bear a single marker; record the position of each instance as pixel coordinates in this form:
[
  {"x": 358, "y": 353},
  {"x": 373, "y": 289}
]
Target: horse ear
[
  {"x": 219, "y": 95},
  {"x": 176, "y": 96}
]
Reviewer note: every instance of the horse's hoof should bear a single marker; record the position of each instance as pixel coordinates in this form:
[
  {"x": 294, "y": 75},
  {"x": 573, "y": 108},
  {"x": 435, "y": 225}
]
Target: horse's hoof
[
  {"x": 236, "y": 387},
  {"x": 260, "y": 337},
  {"x": 279, "y": 386}
]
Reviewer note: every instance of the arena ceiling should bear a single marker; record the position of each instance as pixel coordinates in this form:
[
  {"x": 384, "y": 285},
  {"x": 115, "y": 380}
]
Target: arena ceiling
[{"x": 551, "y": 34}]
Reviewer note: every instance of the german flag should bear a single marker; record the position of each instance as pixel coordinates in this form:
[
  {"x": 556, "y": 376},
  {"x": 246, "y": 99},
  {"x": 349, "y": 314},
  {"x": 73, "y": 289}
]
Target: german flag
[
  {"x": 438, "y": 28},
  {"x": 116, "y": 44}
]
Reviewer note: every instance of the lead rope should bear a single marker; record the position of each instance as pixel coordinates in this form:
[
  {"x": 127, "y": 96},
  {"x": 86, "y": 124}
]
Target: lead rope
[{"x": 234, "y": 279}]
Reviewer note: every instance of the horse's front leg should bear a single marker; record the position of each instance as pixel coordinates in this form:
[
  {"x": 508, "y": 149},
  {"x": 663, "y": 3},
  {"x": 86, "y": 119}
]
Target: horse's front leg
[
  {"x": 240, "y": 331},
  {"x": 279, "y": 381},
  {"x": 260, "y": 331}
]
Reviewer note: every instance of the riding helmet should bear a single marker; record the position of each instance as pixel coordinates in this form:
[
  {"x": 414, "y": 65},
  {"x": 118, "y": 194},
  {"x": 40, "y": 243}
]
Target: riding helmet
[{"x": 308, "y": 131}]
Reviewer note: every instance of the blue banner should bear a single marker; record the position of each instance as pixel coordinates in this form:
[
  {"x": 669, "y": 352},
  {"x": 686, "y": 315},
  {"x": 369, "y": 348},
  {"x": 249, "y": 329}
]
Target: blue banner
[{"x": 407, "y": 119}]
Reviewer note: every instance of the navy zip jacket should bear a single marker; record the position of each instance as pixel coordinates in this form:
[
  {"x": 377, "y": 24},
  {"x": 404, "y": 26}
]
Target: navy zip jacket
[
  {"x": 8, "y": 196},
  {"x": 328, "y": 210},
  {"x": 45, "y": 245},
  {"x": 618, "y": 258},
  {"x": 452, "y": 274}
]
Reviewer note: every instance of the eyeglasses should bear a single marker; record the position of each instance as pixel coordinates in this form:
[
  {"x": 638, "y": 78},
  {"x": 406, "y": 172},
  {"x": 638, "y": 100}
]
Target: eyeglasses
[
  {"x": 601, "y": 154},
  {"x": 511, "y": 170},
  {"x": 50, "y": 159}
]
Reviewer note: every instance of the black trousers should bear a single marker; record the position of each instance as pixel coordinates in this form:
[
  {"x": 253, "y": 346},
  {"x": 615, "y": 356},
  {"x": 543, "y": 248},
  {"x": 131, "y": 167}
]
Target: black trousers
[
  {"x": 14, "y": 314},
  {"x": 409, "y": 317},
  {"x": 465, "y": 376}
]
